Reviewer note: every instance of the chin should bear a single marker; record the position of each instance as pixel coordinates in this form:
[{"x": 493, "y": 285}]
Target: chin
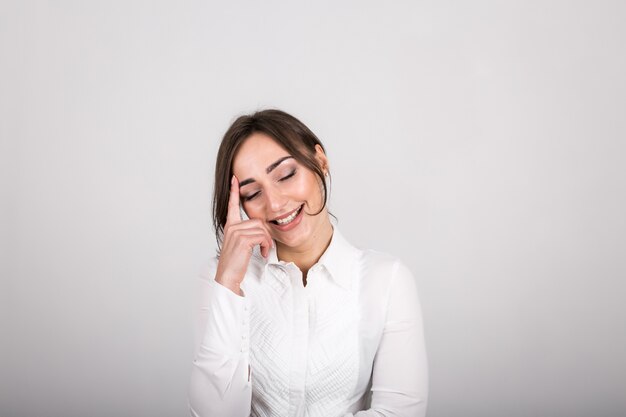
[
  {"x": 292, "y": 242},
  {"x": 295, "y": 238}
]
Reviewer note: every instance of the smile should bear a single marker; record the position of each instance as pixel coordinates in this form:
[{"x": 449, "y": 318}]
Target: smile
[{"x": 288, "y": 219}]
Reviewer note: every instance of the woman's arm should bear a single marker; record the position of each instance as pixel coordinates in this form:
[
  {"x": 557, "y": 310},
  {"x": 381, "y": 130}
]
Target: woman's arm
[
  {"x": 400, "y": 373},
  {"x": 220, "y": 383},
  {"x": 220, "y": 377}
]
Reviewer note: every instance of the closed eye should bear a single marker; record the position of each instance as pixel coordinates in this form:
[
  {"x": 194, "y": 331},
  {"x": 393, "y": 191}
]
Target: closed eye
[
  {"x": 245, "y": 198},
  {"x": 291, "y": 174}
]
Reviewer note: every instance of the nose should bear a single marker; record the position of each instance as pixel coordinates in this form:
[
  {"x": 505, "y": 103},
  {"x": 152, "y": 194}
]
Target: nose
[{"x": 275, "y": 200}]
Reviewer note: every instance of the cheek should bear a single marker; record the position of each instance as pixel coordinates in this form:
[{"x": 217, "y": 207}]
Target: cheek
[
  {"x": 311, "y": 189},
  {"x": 251, "y": 211}
]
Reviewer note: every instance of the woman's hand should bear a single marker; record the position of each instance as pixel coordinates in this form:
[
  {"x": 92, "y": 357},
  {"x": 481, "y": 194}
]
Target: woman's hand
[{"x": 240, "y": 237}]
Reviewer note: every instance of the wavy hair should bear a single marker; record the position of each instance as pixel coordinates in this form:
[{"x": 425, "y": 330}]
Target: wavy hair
[{"x": 286, "y": 130}]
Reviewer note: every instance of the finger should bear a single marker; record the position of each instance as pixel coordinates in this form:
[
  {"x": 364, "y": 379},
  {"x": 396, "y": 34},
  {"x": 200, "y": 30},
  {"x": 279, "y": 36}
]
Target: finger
[
  {"x": 265, "y": 245},
  {"x": 263, "y": 225},
  {"x": 265, "y": 248},
  {"x": 236, "y": 231},
  {"x": 234, "y": 215},
  {"x": 266, "y": 229},
  {"x": 270, "y": 241},
  {"x": 260, "y": 235},
  {"x": 252, "y": 224},
  {"x": 250, "y": 241}
]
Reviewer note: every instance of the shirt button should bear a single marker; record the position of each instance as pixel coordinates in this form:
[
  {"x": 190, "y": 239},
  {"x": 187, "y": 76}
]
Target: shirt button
[{"x": 243, "y": 336}]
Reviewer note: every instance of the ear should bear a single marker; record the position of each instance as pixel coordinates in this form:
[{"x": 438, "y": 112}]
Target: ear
[{"x": 322, "y": 160}]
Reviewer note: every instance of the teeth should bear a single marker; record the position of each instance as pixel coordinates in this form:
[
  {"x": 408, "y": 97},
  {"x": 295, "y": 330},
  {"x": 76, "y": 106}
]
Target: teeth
[{"x": 289, "y": 218}]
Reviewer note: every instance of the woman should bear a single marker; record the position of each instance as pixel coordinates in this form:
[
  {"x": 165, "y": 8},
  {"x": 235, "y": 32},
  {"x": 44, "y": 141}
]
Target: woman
[{"x": 294, "y": 320}]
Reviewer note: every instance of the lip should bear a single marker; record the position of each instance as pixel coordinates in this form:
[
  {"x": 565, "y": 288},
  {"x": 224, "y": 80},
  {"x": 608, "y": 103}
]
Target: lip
[
  {"x": 285, "y": 215},
  {"x": 294, "y": 222}
]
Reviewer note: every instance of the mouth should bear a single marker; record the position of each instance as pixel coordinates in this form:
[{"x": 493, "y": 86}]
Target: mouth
[{"x": 287, "y": 219}]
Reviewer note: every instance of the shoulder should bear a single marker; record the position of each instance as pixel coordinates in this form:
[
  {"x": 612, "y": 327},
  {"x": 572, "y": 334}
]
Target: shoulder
[
  {"x": 380, "y": 266},
  {"x": 385, "y": 275},
  {"x": 377, "y": 260},
  {"x": 387, "y": 282},
  {"x": 373, "y": 268}
]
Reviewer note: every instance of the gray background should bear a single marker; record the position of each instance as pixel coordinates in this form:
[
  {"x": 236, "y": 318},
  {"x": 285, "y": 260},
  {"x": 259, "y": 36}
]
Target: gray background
[{"x": 482, "y": 142}]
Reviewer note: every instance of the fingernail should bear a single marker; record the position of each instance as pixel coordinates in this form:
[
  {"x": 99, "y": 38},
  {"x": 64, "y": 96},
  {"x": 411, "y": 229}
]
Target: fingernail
[{"x": 232, "y": 180}]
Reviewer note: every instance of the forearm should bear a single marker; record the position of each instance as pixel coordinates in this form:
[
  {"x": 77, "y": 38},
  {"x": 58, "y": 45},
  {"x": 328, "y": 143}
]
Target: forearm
[
  {"x": 220, "y": 380},
  {"x": 400, "y": 372}
]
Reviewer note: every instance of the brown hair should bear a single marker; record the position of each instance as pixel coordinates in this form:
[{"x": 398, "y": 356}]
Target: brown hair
[{"x": 286, "y": 130}]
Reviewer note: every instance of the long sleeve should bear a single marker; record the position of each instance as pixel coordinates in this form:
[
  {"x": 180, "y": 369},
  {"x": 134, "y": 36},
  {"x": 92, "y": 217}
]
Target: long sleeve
[
  {"x": 220, "y": 384},
  {"x": 400, "y": 372}
]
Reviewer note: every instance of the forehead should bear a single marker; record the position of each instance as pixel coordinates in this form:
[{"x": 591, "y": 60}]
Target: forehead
[{"x": 255, "y": 154}]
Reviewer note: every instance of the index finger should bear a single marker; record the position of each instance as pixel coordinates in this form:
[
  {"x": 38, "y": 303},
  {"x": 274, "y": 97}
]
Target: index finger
[{"x": 234, "y": 215}]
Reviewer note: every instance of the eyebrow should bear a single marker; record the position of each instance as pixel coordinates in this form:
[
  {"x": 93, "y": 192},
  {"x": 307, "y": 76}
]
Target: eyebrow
[{"x": 269, "y": 169}]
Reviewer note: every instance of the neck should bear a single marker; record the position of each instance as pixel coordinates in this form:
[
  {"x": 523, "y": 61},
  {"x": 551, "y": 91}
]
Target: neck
[{"x": 307, "y": 254}]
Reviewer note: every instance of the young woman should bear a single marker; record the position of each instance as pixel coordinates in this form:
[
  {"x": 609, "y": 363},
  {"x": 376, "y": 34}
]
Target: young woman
[{"x": 294, "y": 320}]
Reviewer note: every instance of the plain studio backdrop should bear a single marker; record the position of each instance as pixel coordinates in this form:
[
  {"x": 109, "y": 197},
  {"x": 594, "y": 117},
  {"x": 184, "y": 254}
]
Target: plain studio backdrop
[{"x": 482, "y": 142}]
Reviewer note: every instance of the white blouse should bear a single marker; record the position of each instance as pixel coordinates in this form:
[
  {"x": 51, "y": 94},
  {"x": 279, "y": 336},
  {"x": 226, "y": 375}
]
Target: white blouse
[{"x": 350, "y": 343}]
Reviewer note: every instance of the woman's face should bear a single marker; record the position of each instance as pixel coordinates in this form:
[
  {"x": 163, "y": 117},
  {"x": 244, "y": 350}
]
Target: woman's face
[{"x": 277, "y": 189}]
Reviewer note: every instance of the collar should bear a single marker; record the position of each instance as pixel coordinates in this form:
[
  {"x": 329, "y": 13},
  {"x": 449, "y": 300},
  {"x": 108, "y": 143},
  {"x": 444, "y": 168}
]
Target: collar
[{"x": 338, "y": 259}]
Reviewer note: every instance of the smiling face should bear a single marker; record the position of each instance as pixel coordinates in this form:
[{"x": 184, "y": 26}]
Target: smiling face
[{"x": 279, "y": 190}]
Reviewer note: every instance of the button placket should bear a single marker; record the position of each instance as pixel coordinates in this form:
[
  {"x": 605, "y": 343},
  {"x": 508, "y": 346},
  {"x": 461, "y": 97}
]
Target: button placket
[{"x": 300, "y": 342}]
